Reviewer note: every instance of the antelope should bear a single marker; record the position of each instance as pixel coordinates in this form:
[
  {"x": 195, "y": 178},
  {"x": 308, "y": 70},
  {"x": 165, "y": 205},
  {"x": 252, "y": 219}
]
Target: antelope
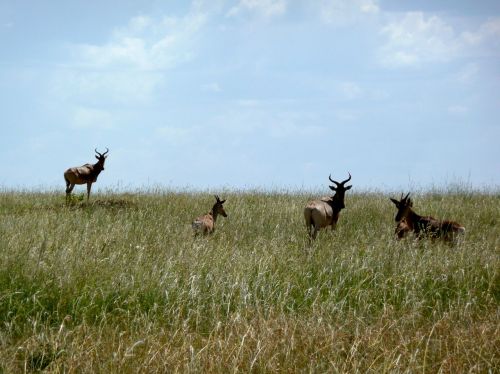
[
  {"x": 85, "y": 174},
  {"x": 325, "y": 211},
  {"x": 426, "y": 226},
  {"x": 206, "y": 224}
]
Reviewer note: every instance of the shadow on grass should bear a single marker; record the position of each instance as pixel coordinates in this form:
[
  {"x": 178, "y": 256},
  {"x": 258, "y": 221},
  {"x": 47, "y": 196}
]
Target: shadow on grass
[
  {"x": 98, "y": 203},
  {"x": 22, "y": 207}
]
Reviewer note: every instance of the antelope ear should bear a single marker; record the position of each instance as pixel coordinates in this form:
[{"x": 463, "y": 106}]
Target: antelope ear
[
  {"x": 348, "y": 187},
  {"x": 223, "y": 201},
  {"x": 395, "y": 202},
  {"x": 333, "y": 188},
  {"x": 97, "y": 157}
]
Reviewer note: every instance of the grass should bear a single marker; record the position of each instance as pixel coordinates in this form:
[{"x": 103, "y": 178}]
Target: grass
[{"x": 121, "y": 285}]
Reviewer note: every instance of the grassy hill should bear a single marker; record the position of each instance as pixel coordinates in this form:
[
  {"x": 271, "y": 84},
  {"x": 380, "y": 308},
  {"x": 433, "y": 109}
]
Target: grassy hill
[{"x": 121, "y": 285}]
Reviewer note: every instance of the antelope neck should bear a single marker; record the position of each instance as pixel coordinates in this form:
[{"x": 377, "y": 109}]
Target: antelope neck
[
  {"x": 413, "y": 218},
  {"x": 335, "y": 203},
  {"x": 98, "y": 167},
  {"x": 214, "y": 214}
]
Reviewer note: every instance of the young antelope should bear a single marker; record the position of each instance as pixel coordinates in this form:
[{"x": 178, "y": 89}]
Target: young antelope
[{"x": 206, "y": 224}]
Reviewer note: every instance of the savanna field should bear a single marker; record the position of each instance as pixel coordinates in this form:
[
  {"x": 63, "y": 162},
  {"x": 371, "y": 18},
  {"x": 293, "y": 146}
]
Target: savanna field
[{"x": 120, "y": 284}]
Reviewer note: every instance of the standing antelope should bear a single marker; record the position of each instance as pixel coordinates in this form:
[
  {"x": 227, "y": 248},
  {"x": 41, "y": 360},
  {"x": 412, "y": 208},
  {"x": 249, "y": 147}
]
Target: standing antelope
[
  {"x": 85, "y": 174},
  {"x": 427, "y": 226},
  {"x": 325, "y": 212},
  {"x": 206, "y": 224}
]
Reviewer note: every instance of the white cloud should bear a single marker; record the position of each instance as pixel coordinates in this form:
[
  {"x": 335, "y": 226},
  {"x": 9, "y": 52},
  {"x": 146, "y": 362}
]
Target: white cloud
[
  {"x": 131, "y": 64},
  {"x": 488, "y": 31},
  {"x": 417, "y": 39},
  {"x": 344, "y": 12},
  {"x": 145, "y": 44},
  {"x": 369, "y": 6},
  {"x": 265, "y": 8},
  {"x": 110, "y": 86}
]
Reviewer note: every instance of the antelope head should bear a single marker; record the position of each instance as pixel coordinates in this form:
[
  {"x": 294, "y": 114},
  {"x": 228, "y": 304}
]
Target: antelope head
[
  {"x": 340, "y": 188},
  {"x": 101, "y": 157},
  {"x": 218, "y": 208},
  {"x": 404, "y": 205}
]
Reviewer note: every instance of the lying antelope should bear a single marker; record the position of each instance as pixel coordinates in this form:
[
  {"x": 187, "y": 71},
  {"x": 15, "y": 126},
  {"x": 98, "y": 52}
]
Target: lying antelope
[
  {"x": 427, "y": 226},
  {"x": 325, "y": 212},
  {"x": 206, "y": 224},
  {"x": 85, "y": 174}
]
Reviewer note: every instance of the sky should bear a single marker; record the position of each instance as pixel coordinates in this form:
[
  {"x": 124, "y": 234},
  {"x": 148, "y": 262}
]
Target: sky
[{"x": 245, "y": 94}]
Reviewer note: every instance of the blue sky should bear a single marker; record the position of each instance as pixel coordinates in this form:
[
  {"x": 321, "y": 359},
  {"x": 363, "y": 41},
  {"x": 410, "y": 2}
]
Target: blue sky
[{"x": 251, "y": 93}]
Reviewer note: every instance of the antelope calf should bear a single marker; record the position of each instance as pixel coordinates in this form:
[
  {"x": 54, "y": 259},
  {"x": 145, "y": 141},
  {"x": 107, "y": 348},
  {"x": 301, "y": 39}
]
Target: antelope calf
[
  {"x": 85, "y": 174},
  {"x": 325, "y": 211},
  {"x": 426, "y": 226},
  {"x": 206, "y": 224}
]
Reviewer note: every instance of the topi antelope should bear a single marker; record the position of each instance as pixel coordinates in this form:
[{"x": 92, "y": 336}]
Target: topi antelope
[
  {"x": 325, "y": 212},
  {"x": 206, "y": 224},
  {"x": 85, "y": 174},
  {"x": 427, "y": 226}
]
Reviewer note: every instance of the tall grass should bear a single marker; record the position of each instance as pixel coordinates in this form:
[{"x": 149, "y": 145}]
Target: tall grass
[{"x": 121, "y": 285}]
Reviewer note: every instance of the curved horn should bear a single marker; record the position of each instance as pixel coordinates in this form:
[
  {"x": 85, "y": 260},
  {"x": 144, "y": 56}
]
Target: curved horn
[
  {"x": 331, "y": 180},
  {"x": 347, "y": 180},
  {"x": 102, "y": 154}
]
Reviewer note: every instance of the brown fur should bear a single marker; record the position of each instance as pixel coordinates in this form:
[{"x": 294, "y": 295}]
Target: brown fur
[
  {"x": 402, "y": 229},
  {"x": 423, "y": 226},
  {"x": 325, "y": 212},
  {"x": 85, "y": 174},
  {"x": 205, "y": 224}
]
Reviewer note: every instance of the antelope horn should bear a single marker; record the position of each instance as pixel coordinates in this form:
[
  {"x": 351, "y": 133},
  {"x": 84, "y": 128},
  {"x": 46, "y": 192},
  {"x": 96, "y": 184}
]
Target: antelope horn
[
  {"x": 347, "y": 180},
  {"x": 102, "y": 154},
  {"x": 331, "y": 180},
  {"x": 406, "y": 197},
  {"x": 217, "y": 198}
]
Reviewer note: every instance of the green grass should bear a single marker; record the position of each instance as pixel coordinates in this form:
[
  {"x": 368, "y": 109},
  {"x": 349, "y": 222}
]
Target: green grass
[{"x": 121, "y": 285}]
